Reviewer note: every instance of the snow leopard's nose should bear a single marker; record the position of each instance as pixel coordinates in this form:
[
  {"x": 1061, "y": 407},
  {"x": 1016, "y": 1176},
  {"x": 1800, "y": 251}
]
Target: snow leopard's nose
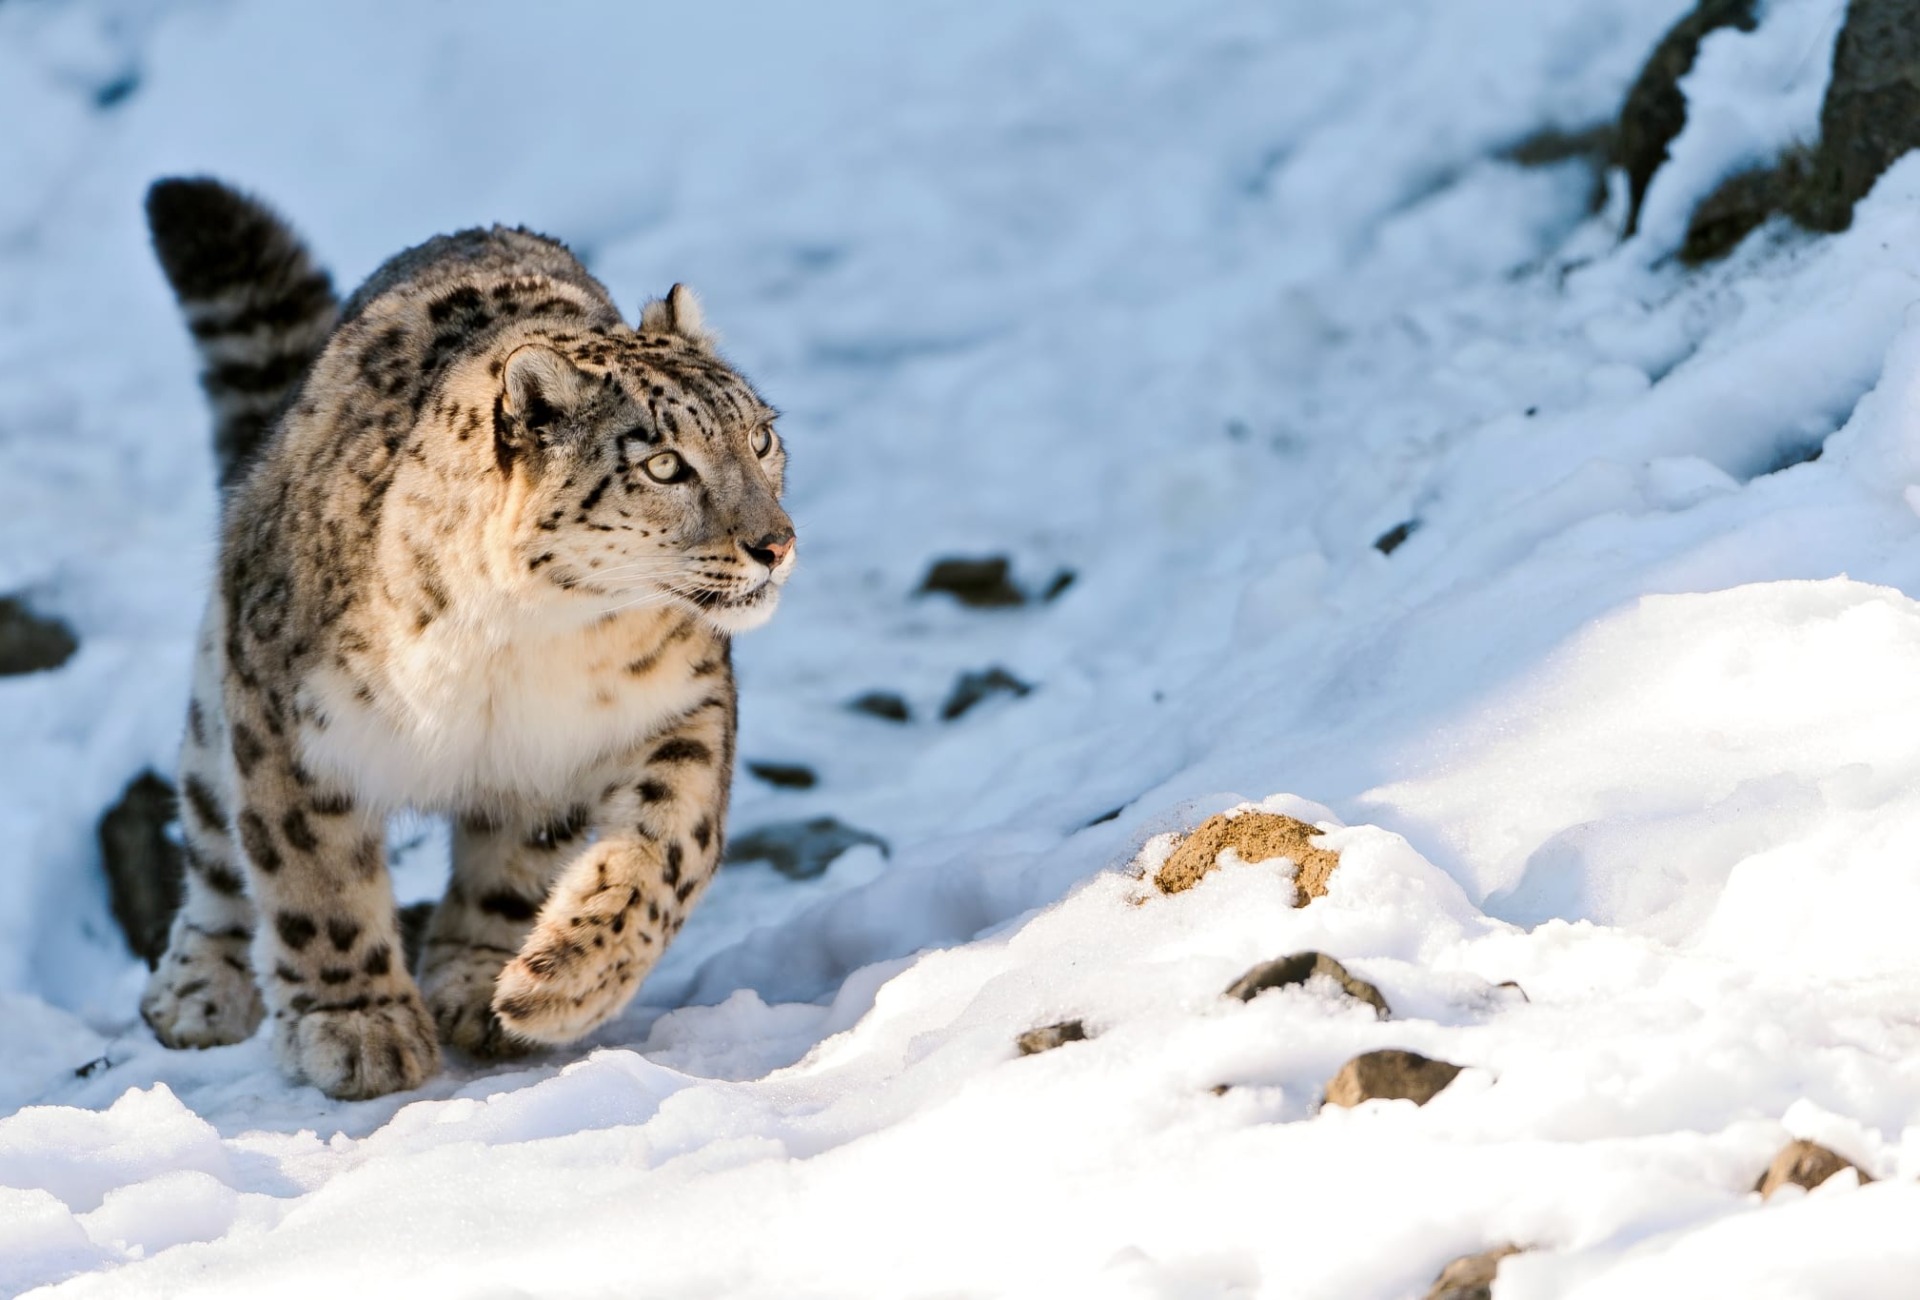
[{"x": 771, "y": 549}]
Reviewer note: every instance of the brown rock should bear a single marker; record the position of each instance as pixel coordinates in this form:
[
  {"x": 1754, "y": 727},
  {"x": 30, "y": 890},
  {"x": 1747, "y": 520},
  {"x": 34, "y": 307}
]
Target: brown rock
[
  {"x": 1298, "y": 969},
  {"x": 1656, "y": 108},
  {"x": 1871, "y": 115},
  {"x": 1735, "y": 209},
  {"x": 30, "y": 642},
  {"x": 1804, "y": 1164},
  {"x": 1390, "y": 1074},
  {"x": 1035, "y": 1041},
  {"x": 1471, "y": 1276},
  {"x": 1256, "y": 837},
  {"x": 144, "y": 867},
  {"x": 984, "y": 583}
]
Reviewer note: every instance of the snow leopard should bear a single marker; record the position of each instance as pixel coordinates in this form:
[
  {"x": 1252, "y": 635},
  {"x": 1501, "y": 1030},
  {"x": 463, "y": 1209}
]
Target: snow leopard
[{"x": 483, "y": 549}]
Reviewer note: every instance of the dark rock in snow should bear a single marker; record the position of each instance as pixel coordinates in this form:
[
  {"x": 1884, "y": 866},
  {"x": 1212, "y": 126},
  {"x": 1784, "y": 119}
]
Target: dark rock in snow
[
  {"x": 1804, "y": 1164},
  {"x": 1471, "y": 1276},
  {"x": 1656, "y": 108},
  {"x": 787, "y": 776},
  {"x": 882, "y": 704},
  {"x": 1389, "y": 542},
  {"x": 1058, "y": 583},
  {"x": 971, "y": 688},
  {"x": 143, "y": 865},
  {"x": 1871, "y": 115},
  {"x": 801, "y": 850},
  {"x": 1392, "y": 1075},
  {"x": 1051, "y": 1036},
  {"x": 1257, "y": 837},
  {"x": 30, "y": 642},
  {"x": 1298, "y": 969},
  {"x": 1734, "y": 210},
  {"x": 980, "y": 583},
  {"x": 91, "y": 1068}
]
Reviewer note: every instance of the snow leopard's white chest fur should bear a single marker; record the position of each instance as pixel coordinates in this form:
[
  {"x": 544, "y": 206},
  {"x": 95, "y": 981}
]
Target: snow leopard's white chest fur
[{"x": 464, "y": 713}]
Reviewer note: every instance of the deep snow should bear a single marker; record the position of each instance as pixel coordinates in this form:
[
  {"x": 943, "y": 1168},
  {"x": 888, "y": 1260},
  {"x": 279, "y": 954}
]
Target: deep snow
[{"x": 1195, "y": 303}]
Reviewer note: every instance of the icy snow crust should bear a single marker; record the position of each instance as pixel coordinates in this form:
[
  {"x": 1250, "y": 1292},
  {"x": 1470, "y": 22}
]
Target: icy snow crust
[{"x": 1197, "y": 304}]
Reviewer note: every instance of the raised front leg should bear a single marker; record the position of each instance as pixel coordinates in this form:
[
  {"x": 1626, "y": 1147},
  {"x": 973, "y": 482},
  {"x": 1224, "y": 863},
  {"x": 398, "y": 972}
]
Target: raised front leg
[
  {"x": 202, "y": 993},
  {"x": 346, "y": 1014},
  {"x": 659, "y": 818},
  {"x": 504, "y": 865}
]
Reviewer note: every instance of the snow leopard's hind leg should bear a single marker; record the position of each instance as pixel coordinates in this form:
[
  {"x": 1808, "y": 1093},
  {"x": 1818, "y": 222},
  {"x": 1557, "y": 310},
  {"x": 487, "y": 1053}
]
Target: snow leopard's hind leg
[{"x": 203, "y": 993}]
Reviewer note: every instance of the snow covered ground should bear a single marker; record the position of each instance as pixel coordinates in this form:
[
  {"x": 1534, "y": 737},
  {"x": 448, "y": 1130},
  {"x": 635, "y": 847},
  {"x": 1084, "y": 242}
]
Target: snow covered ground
[{"x": 1197, "y": 302}]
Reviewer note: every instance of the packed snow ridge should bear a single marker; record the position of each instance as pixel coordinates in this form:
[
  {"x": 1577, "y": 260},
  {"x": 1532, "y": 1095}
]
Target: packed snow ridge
[{"x": 1196, "y": 306}]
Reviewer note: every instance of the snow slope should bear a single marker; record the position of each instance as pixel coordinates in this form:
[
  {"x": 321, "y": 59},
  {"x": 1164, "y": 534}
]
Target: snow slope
[{"x": 1196, "y": 304}]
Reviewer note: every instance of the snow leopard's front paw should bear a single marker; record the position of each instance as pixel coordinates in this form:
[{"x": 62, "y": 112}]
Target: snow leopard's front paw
[
  {"x": 459, "y": 993},
  {"x": 203, "y": 993},
  {"x": 593, "y": 944},
  {"x": 364, "y": 1047}
]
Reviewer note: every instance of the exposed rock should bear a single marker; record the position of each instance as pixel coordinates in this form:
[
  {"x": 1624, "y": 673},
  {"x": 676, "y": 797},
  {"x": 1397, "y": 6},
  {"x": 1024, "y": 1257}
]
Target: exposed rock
[
  {"x": 1256, "y": 837},
  {"x": 787, "y": 776},
  {"x": 1736, "y": 208},
  {"x": 1655, "y": 108},
  {"x": 1058, "y": 583},
  {"x": 1050, "y": 1037},
  {"x": 413, "y": 920},
  {"x": 1389, "y": 542},
  {"x": 971, "y": 688},
  {"x": 30, "y": 642},
  {"x": 882, "y": 704},
  {"x": 1871, "y": 115},
  {"x": 1596, "y": 144},
  {"x": 1392, "y": 1075},
  {"x": 1804, "y": 1164},
  {"x": 91, "y": 1068},
  {"x": 1471, "y": 1276},
  {"x": 982, "y": 583},
  {"x": 801, "y": 850},
  {"x": 1298, "y": 969},
  {"x": 143, "y": 865}
]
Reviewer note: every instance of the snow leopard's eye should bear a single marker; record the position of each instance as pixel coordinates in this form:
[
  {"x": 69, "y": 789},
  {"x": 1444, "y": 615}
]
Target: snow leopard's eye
[
  {"x": 666, "y": 467},
  {"x": 761, "y": 440}
]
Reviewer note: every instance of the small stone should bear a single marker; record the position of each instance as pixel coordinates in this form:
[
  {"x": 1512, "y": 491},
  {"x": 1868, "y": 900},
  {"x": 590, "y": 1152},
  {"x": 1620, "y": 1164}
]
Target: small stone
[
  {"x": 1471, "y": 1276},
  {"x": 801, "y": 850},
  {"x": 91, "y": 1068},
  {"x": 1046, "y": 1039},
  {"x": 1392, "y": 1075},
  {"x": 144, "y": 867},
  {"x": 1061, "y": 580},
  {"x": 971, "y": 688},
  {"x": 1256, "y": 837},
  {"x": 787, "y": 776},
  {"x": 1298, "y": 969},
  {"x": 1389, "y": 542},
  {"x": 30, "y": 642},
  {"x": 978, "y": 583},
  {"x": 882, "y": 704},
  {"x": 1804, "y": 1164}
]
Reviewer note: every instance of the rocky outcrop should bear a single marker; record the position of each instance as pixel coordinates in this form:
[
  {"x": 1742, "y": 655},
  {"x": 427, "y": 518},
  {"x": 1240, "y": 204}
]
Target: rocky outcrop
[
  {"x": 30, "y": 642},
  {"x": 1392, "y": 1075},
  {"x": 1256, "y": 837},
  {"x": 1804, "y": 1164},
  {"x": 1300, "y": 967}
]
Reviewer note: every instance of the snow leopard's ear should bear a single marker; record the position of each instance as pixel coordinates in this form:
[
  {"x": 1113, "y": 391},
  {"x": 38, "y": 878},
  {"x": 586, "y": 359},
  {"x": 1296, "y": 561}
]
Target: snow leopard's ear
[
  {"x": 541, "y": 387},
  {"x": 677, "y": 313}
]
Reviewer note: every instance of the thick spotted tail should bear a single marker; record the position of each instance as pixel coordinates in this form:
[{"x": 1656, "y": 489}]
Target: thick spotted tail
[{"x": 259, "y": 308}]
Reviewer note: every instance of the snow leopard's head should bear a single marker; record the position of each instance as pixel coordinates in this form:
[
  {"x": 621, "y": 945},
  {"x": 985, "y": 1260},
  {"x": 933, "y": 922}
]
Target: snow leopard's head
[{"x": 651, "y": 469}]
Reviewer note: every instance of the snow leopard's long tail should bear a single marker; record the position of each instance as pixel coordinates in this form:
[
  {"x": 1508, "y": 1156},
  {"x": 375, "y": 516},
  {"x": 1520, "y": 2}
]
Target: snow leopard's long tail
[{"x": 259, "y": 307}]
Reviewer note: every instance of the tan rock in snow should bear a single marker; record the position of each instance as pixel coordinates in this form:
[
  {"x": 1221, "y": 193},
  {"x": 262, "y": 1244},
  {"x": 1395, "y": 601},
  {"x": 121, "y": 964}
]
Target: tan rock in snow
[{"x": 1256, "y": 837}]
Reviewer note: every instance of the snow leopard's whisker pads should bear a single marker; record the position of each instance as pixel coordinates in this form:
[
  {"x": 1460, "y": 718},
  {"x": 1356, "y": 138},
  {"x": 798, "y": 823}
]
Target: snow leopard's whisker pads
[{"x": 485, "y": 548}]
